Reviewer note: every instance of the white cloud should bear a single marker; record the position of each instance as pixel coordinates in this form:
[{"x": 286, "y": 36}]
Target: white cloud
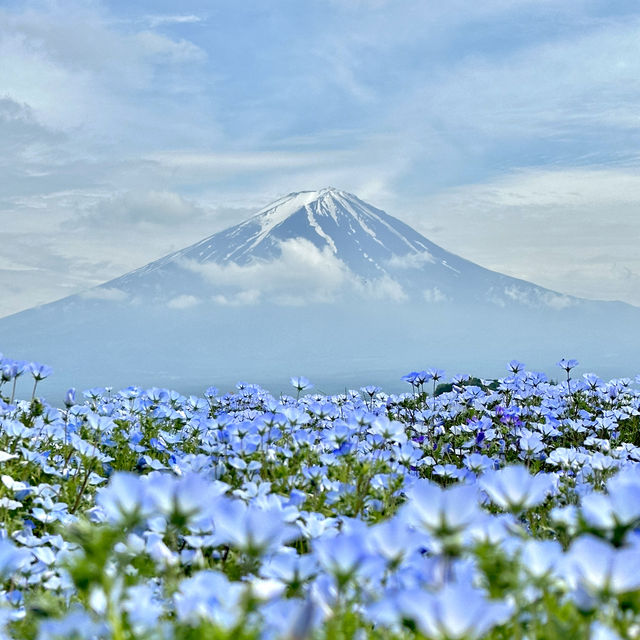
[
  {"x": 161, "y": 20},
  {"x": 434, "y": 295},
  {"x": 76, "y": 70},
  {"x": 190, "y": 163},
  {"x": 183, "y": 302},
  {"x": 302, "y": 274},
  {"x": 546, "y": 88},
  {"x": 535, "y": 297},
  {"x": 384, "y": 288},
  {"x": 138, "y": 207},
  {"x": 65, "y": 243},
  {"x": 238, "y": 299},
  {"x": 162, "y": 49}
]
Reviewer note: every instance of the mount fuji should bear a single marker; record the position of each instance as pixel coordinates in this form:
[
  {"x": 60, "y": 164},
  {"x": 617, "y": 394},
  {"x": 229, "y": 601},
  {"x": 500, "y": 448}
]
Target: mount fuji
[
  {"x": 334, "y": 243},
  {"x": 318, "y": 283}
]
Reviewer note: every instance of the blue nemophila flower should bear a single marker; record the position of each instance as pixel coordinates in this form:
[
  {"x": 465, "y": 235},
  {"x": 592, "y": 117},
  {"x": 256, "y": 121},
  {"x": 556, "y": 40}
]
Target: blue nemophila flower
[
  {"x": 265, "y": 589},
  {"x": 39, "y": 371},
  {"x": 408, "y": 455},
  {"x": 457, "y": 611},
  {"x": 76, "y": 624},
  {"x": 251, "y": 530},
  {"x": 125, "y": 498},
  {"x": 342, "y": 555},
  {"x": 567, "y": 365},
  {"x": 389, "y": 429},
  {"x": 70, "y": 398},
  {"x": 435, "y": 375},
  {"x": 99, "y": 423},
  {"x": 393, "y": 540},
  {"x": 602, "y": 569},
  {"x": 300, "y": 383},
  {"x": 289, "y": 567},
  {"x": 515, "y": 366},
  {"x": 292, "y": 618},
  {"x": 540, "y": 557},
  {"x": 531, "y": 445},
  {"x": 9, "y": 504},
  {"x": 441, "y": 512},
  {"x": 210, "y": 596},
  {"x": 620, "y": 507},
  {"x": 410, "y": 378},
  {"x": 567, "y": 458},
  {"x": 421, "y": 377},
  {"x": 492, "y": 529},
  {"x": 143, "y": 607},
  {"x": 515, "y": 489},
  {"x": 592, "y": 382},
  {"x": 478, "y": 462},
  {"x": 45, "y": 555},
  {"x": 16, "y": 486},
  {"x": 159, "y": 552},
  {"x": 8, "y": 372},
  {"x": 601, "y": 462},
  {"x": 314, "y": 525},
  {"x": 12, "y": 558},
  {"x": 184, "y": 499}
]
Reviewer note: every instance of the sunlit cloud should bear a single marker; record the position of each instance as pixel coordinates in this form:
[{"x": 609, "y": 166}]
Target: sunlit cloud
[{"x": 302, "y": 274}]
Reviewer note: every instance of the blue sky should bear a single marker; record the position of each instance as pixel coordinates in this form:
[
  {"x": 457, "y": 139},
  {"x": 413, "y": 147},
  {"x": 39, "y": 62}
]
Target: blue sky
[{"x": 506, "y": 130}]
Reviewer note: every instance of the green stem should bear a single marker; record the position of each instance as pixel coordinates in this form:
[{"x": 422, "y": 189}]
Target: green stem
[{"x": 76, "y": 504}]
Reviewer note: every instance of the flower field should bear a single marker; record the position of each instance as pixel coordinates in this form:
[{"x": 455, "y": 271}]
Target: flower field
[{"x": 461, "y": 509}]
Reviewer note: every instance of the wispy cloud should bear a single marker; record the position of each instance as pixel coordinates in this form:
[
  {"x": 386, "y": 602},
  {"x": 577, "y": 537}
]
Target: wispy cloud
[
  {"x": 183, "y": 302},
  {"x": 161, "y": 20},
  {"x": 142, "y": 207},
  {"x": 302, "y": 274}
]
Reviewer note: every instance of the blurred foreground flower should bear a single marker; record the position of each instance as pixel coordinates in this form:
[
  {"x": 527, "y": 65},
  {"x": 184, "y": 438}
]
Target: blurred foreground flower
[
  {"x": 514, "y": 489},
  {"x": 455, "y": 612}
]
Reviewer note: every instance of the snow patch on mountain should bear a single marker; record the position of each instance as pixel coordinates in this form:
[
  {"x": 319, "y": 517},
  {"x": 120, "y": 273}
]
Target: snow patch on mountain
[{"x": 411, "y": 260}]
